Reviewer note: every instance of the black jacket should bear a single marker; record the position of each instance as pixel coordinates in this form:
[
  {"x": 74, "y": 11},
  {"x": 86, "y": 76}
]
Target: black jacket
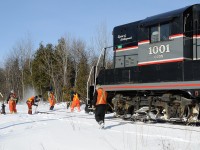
[{"x": 94, "y": 101}]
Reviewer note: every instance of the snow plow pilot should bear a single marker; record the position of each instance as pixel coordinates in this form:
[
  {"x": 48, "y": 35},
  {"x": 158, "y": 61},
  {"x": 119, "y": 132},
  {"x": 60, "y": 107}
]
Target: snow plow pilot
[{"x": 32, "y": 101}]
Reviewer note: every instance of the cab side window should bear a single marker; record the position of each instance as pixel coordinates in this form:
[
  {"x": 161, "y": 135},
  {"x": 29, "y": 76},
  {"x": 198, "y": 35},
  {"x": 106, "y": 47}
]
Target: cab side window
[
  {"x": 164, "y": 32},
  {"x": 155, "y": 37},
  {"x": 159, "y": 32}
]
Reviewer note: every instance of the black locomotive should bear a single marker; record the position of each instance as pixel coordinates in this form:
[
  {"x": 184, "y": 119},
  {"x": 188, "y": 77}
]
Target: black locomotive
[{"x": 156, "y": 68}]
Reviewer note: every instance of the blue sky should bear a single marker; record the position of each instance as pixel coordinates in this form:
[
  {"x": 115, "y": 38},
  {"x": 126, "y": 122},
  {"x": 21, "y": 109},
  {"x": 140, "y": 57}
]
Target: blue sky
[{"x": 48, "y": 20}]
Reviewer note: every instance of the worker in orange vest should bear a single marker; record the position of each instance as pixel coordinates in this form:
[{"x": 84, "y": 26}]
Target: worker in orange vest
[
  {"x": 99, "y": 104},
  {"x": 32, "y": 101},
  {"x": 12, "y": 102},
  {"x": 75, "y": 102},
  {"x": 72, "y": 92},
  {"x": 52, "y": 100}
]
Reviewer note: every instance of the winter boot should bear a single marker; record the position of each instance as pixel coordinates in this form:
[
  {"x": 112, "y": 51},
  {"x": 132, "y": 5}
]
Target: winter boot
[
  {"x": 30, "y": 111},
  {"x": 3, "y": 109},
  {"x": 51, "y": 108},
  {"x": 101, "y": 125}
]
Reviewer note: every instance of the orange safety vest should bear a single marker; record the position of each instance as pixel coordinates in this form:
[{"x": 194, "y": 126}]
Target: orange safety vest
[
  {"x": 31, "y": 99},
  {"x": 52, "y": 99},
  {"x": 75, "y": 98},
  {"x": 101, "y": 97}
]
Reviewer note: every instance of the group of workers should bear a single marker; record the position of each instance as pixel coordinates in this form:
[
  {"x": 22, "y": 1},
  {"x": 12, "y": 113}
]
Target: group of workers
[
  {"x": 12, "y": 101},
  {"x": 98, "y": 104}
]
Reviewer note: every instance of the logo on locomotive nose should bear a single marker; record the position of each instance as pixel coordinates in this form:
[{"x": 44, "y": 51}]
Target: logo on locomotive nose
[
  {"x": 159, "y": 51},
  {"x": 124, "y": 37}
]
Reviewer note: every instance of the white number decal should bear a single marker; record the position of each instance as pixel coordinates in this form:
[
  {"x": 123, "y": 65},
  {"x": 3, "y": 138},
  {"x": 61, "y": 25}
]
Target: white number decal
[{"x": 159, "y": 49}]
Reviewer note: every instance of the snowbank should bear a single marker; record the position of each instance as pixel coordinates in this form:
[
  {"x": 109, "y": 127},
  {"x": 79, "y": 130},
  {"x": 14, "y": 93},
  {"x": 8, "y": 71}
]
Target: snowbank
[{"x": 61, "y": 130}]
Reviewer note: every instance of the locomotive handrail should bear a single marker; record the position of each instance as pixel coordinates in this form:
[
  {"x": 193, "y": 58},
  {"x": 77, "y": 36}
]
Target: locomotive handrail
[
  {"x": 92, "y": 68},
  {"x": 96, "y": 71},
  {"x": 103, "y": 49},
  {"x": 88, "y": 83}
]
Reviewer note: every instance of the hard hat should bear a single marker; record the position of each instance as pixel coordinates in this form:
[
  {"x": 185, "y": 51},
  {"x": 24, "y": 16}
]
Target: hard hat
[
  {"x": 98, "y": 86},
  {"x": 12, "y": 91}
]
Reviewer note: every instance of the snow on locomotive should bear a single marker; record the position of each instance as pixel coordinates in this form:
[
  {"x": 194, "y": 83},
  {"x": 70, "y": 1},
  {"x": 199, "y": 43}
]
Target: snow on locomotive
[{"x": 156, "y": 68}]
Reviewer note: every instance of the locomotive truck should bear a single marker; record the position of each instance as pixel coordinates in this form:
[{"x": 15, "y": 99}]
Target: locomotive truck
[{"x": 155, "y": 72}]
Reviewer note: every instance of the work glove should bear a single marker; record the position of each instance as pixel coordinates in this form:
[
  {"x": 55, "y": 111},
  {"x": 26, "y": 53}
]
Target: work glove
[
  {"x": 93, "y": 107},
  {"x": 37, "y": 100}
]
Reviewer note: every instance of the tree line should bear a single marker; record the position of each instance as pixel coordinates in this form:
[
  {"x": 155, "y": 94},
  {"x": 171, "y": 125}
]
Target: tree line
[{"x": 59, "y": 67}]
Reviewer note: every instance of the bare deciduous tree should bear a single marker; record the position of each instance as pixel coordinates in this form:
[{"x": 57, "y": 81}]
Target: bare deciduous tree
[
  {"x": 18, "y": 68},
  {"x": 22, "y": 51}
]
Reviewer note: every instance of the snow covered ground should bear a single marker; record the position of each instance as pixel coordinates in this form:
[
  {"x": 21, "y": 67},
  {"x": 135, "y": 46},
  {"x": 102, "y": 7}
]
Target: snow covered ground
[{"x": 62, "y": 130}]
